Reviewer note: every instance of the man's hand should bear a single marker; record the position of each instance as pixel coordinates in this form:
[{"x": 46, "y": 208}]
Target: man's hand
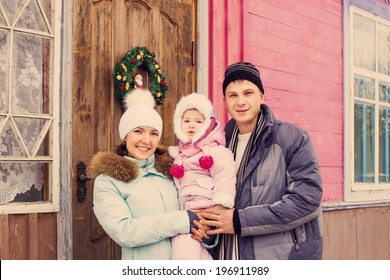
[{"x": 222, "y": 219}]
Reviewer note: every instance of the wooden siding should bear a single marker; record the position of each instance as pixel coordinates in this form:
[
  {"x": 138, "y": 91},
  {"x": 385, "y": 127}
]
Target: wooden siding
[
  {"x": 28, "y": 237},
  {"x": 353, "y": 234},
  {"x": 297, "y": 46},
  {"x": 357, "y": 234},
  {"x": 226, "y": 46}
]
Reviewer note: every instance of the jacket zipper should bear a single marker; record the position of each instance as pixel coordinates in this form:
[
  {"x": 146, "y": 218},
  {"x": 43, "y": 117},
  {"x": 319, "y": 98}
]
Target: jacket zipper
[
  {"x": 147, "y": 166},
  {"x": 295, "y": 239}
]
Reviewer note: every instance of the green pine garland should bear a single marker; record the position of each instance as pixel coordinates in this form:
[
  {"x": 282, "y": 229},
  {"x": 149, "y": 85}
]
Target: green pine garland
[{"x": 124, "y": 83}]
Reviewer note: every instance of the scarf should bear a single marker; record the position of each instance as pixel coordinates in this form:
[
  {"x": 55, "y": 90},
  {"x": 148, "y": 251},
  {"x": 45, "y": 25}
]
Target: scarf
[{"x": 229, "y": 247}]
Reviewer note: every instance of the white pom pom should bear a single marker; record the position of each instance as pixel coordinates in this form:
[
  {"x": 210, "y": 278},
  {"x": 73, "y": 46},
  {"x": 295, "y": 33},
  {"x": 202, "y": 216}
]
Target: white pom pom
[
  {"x": 138, "y": 96},
  {"x": 173, "y": 151}
]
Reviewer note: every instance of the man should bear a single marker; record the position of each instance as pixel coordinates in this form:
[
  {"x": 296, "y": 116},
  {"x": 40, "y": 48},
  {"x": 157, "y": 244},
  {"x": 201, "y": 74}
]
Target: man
[{"x": 277, "y": 212}]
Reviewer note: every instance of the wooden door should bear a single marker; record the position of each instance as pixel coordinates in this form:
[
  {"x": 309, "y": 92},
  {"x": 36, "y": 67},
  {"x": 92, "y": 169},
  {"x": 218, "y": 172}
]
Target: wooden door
[{"x": 103, "y": 31}]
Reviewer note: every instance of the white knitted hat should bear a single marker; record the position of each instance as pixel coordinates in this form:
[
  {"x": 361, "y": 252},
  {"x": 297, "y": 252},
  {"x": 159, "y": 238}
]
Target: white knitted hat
[
  {"x": 139, "y": 105},
  {"x": 193, "y": 101}
]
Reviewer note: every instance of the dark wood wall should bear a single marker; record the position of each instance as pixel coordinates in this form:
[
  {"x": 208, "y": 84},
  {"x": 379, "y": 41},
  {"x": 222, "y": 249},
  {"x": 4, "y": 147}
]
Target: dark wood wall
[
  {"x": 354, "y": 234},
  {"x": 28, "y": 237},
  {"x": 357, "y": 234}
]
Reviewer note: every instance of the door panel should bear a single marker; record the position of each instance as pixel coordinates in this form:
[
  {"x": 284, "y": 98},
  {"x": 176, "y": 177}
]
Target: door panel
[{"x": 103, "y": 31}]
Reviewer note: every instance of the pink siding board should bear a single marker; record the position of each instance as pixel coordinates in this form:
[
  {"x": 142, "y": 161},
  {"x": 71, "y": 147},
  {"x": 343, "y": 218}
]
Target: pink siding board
[
  {"x": 328, "y": 141},
  {"x": 332, "y": 192},
  {"x": 331, "y": 157},
  {"x": 299, "y": 54},
  {"x": 319, "y": 49},
  {"x": 217, "y": 56},
  {"x": 290, "y": 18},
  {"x": 309, "y": 10},
  {"x": 279, "y": 80},
  {"x": 310, "y": 121},
  {"x": 334, "y": 7},
  {"x": 332, "y": 175},
  {"x": 226, "y": 47},
  {"x": 320, "y": 105},
  {"x": 332, "y": 185},
  {"x": 234, "y": 31},
  {"x": 296, "y": 63}
]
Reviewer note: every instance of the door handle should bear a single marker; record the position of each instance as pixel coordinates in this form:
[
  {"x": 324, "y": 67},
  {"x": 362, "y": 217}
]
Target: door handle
[{"x": 82, "y": 179}]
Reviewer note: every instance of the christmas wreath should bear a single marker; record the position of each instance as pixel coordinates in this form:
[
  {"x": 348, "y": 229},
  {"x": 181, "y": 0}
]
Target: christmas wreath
[{"x": 125, "y": 68}]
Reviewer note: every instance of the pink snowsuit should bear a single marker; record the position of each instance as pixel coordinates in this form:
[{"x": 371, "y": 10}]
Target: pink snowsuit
[{"x": 203, "y": 188}]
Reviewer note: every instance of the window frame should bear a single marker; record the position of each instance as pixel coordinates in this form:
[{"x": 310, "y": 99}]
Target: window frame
[
  {"x": 362, "y": 193},
  {"x": 53, "y": 202}
]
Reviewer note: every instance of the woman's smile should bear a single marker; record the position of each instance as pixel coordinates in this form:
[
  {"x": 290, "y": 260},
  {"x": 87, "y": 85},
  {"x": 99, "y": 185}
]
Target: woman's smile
[{"x": 141, "y": 142}]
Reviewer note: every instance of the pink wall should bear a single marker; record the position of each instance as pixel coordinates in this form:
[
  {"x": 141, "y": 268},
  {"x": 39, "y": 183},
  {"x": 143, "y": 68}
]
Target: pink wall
[
  {"x": 297, "y": 46},
  {"x": 226, "y": 46}
]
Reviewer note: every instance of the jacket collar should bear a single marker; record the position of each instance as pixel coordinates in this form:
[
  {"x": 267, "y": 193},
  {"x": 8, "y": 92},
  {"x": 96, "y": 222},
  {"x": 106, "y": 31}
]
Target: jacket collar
[{"x": 127, "y": 169}]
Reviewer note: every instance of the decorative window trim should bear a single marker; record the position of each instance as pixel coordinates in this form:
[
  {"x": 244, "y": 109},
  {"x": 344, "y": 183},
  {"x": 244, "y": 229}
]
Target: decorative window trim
[
  {"x": 53, "y": 203},
  {"x": 358, "y": 193}
]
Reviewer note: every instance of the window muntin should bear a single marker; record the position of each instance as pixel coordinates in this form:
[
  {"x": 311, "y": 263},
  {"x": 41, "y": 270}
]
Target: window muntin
[{"x": 29, "y": 106}]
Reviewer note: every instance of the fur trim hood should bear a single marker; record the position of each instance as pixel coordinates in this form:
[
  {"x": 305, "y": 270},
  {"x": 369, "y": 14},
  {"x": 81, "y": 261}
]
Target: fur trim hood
[
  {"x": 123, "y": 169},
  {"x": 193, "y": 101}
]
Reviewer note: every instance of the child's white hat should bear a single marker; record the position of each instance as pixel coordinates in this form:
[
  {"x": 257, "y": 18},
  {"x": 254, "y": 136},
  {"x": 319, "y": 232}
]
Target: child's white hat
[{"x": 196, "y": 101}]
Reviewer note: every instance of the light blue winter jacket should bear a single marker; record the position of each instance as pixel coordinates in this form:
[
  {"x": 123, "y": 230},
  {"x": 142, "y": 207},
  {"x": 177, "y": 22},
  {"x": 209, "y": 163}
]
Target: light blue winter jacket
[{"x": 137, "y": 204}]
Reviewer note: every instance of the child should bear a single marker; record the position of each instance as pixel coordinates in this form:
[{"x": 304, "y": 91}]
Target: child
[{"x": 204, "y": 170}]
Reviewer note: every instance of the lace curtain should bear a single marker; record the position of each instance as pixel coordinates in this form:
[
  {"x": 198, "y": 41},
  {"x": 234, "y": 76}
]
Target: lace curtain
[{"x": 24, "y": 98}]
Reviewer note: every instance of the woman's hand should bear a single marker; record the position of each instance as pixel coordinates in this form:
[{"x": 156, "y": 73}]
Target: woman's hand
[{"x": 201, "y": 232}]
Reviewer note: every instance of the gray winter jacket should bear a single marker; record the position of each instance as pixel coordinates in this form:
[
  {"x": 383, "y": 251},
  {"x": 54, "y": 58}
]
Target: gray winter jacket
[{"x": 279, "y": 199}]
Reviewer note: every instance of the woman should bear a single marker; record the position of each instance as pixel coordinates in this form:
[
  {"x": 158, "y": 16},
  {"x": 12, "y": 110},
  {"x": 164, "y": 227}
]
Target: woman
[{"x": 134, "y": 197}]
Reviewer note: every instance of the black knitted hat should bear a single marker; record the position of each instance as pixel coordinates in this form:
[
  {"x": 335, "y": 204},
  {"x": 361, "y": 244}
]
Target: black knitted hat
[{"x": 242, "y": 71}]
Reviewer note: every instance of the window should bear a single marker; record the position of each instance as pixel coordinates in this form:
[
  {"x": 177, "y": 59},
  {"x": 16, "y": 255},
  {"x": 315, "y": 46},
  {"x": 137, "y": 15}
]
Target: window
[
  {"x": 367, "y": 107},
  {"x": 29, "y": 106}
]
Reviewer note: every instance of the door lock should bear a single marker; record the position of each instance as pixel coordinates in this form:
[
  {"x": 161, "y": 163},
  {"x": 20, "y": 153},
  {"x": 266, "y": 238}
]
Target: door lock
[{"x": 82, "y": 179}]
